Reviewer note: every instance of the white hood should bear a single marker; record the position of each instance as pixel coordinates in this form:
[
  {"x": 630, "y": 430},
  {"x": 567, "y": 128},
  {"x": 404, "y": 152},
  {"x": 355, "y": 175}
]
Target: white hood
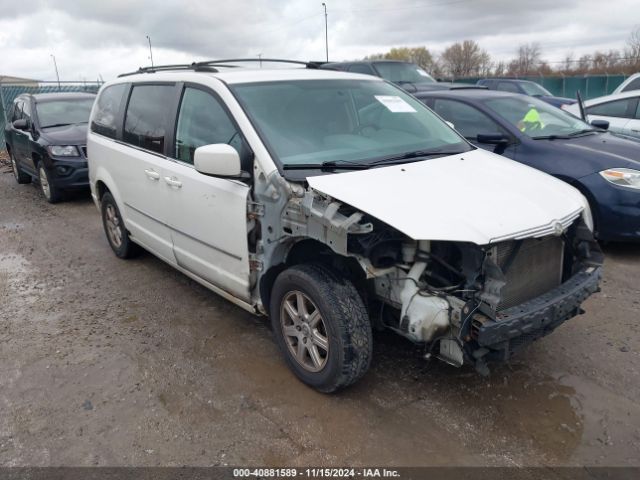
[{"x": 474, "y": 197}]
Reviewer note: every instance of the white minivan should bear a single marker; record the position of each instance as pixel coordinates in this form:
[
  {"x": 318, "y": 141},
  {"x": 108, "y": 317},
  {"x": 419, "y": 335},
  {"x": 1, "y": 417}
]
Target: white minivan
[{"x": 336, "y": 204}]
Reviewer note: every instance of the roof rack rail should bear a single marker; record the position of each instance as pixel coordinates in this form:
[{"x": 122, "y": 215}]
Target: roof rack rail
[{"x": 210, "y": 65}]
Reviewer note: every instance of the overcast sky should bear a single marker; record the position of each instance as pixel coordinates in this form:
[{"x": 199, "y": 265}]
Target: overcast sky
[{"x": 91, "y": 38}]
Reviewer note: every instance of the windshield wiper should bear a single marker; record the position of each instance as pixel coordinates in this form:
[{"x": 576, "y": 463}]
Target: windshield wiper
[
  {"x": 551, "y": 137},
  {"x": 328, "y": 165},
  {"x": 582, "y": 132},
  {"x": 57, "y": 125},
  {"x": 565, "y": 136},
  {"x": 415, "y": 156},
  {"x": 63, "y": 124}
]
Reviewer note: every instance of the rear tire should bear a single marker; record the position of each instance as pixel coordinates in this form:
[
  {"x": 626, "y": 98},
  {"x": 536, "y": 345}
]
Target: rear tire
[
  {"x": 51, "y": 193},
  {"x": 117, "y": 234},
  {"x": 18, "y": 174},
  {"x": 321, "y": 326}
]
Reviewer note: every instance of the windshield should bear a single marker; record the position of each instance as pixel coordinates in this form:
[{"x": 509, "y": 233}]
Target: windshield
[
  {"x": 535, "y": 90},
  {"x": 400, "y": 73},
  {"x": 536, "y": 118},
  {"x": 314, "y": 121},
  {"x": 64, "y": 112}
]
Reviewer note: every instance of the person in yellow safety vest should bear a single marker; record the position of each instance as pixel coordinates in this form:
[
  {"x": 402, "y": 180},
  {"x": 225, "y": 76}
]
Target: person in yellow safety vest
[{"x": 531, "y": 121}]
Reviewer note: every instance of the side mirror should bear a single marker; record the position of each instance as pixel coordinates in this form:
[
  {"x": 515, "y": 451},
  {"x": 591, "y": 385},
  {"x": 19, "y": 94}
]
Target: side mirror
[
  {"x": 20, "y": 124},
  {"x": 603, "y": 124},
  {"x": 219, "y": 159},
  {"x": 492, "y": 138}
]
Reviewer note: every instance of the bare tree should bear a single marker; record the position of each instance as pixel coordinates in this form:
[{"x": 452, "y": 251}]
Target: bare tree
[
  {"x": 527, "y": 59},
  {"x": 567, "y": 63},
  {"x": 632, "y": 52},
  {"x": 464, "y": 59}
]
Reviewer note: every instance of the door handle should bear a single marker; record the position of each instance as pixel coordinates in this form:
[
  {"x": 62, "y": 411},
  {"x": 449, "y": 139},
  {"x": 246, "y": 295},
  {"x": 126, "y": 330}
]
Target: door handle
[
  {"x": 152, "y": 174},
  {"x": 173, "y": 182}
]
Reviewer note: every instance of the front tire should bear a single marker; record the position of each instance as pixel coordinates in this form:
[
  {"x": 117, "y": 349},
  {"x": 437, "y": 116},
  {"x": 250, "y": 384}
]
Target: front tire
[
  {"x": 321, "y": 326},
  {"x": 51, "y": 193},
  {"x": 18, "y": 174},
  {"x": 117, "y": 234}
]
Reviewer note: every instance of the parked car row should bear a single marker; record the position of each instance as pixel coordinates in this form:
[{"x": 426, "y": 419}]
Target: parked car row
[
  {"x": 338, "y": 203},
  {"x": 406, "y": 75},
  {"x": 525, "y": 87}
]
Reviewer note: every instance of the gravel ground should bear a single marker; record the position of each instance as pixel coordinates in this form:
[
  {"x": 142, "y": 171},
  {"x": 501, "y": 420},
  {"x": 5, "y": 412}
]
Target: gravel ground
[{"x": 111, "y": 362}]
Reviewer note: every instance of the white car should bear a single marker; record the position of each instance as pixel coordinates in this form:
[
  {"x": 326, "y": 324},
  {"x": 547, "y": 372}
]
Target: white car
[
  {"x": 622, "y": 111},
  {"x": 336, "y": 203},
  {"x": 631, "y": 83}
]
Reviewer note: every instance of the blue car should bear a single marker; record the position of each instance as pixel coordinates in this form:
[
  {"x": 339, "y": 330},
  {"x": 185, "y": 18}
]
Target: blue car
[
  {"x": 525, "y": 87},
  {"x": 605, "y": 167}
]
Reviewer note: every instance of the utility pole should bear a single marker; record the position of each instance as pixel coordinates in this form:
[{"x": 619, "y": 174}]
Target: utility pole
[
  {"x": 326, "y": 31},
  {"x": 260, "y": 58},
  {"x": 55, "y": 65},
  {"x": 150, "y": 51}
]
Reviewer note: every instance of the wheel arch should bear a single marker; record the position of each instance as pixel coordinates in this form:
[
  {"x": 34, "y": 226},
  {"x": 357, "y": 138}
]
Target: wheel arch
[{"x": 311, "y": 251}]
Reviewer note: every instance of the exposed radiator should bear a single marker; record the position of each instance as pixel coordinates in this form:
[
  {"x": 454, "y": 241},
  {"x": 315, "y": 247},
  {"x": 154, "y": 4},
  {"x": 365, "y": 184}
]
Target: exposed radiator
[{"x": 534, "y": 269}]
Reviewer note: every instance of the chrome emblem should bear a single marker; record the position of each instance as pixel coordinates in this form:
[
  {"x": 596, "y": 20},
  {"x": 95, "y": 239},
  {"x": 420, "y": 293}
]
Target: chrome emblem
[{"x": 558, "y": 229}]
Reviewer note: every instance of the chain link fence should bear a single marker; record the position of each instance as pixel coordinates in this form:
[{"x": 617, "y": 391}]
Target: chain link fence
[
  {"x": 590, "y": 86},
  {"x": 9, "y": 91}
]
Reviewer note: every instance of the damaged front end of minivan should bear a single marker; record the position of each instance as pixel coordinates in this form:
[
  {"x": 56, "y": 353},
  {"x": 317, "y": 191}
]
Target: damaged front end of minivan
[{"x": 466, "y": 303}]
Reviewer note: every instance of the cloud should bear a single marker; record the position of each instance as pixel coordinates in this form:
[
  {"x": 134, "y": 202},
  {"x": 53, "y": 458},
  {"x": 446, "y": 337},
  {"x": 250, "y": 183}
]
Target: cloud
[{"x": 107, "y": 38}]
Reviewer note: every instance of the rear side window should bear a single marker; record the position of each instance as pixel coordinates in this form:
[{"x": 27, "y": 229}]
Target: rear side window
[
  {"x": 26, "y": 112},
  {"x": 467, "y": 120},
  {"x": 633, "y": 85},
  {"x": 105, "y": 115},
  {"x": 145, "y": 122},
  {"x": 203, "y": 121},
  {"x": 618, "y": 108},
  {"x": 361, "y": 68},
  {"x": 508, "y": 87},
  {"x": 17, "y": 111}
]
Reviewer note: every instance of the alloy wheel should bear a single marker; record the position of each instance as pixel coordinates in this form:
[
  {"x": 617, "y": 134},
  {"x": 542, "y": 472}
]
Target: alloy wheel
[
  {"x": 304, "y": 331},
  {"x": 114, "y": 230},
  {"x": 44, "y": 182},
  {"x": 14, "y": 166}
]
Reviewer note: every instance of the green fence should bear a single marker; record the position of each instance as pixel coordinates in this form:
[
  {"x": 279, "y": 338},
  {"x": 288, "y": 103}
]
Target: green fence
[
  {"x": 590, "y": 86},
  {"x": 9, "y": 91}
]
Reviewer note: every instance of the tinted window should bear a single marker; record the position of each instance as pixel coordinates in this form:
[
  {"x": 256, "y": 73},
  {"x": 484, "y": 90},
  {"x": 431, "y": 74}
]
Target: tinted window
[
  {"x": 619, "y": 108},
  {"x": 203, "y": 121},
  {"x": 105, "y": 114},
  {"x": 361, "y": 68},
  {"x": 147, "y": 115},
  {"x": 535, "y": 90},
  {"x": 508, "y": 87},
  {"x": 26, "y": 112},
  {"x": 64, "y": 112},
  {"x": 400, "y": 72},
  {"x": 17, "y": 111},
  {"x": 467, "y": 120},
  {"x": 633, "y": 85}
]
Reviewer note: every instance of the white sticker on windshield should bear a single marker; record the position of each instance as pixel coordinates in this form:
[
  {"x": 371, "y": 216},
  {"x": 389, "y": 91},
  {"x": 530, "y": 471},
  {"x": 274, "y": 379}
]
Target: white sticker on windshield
[{"x": 394, "y": 103}]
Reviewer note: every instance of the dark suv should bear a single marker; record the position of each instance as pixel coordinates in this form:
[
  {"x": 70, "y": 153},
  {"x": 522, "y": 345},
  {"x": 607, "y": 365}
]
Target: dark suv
[
  {"x": 406, "y": 75},
  {"x": 46, "y": 139},
  {"x": 525, "y": 87}
]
